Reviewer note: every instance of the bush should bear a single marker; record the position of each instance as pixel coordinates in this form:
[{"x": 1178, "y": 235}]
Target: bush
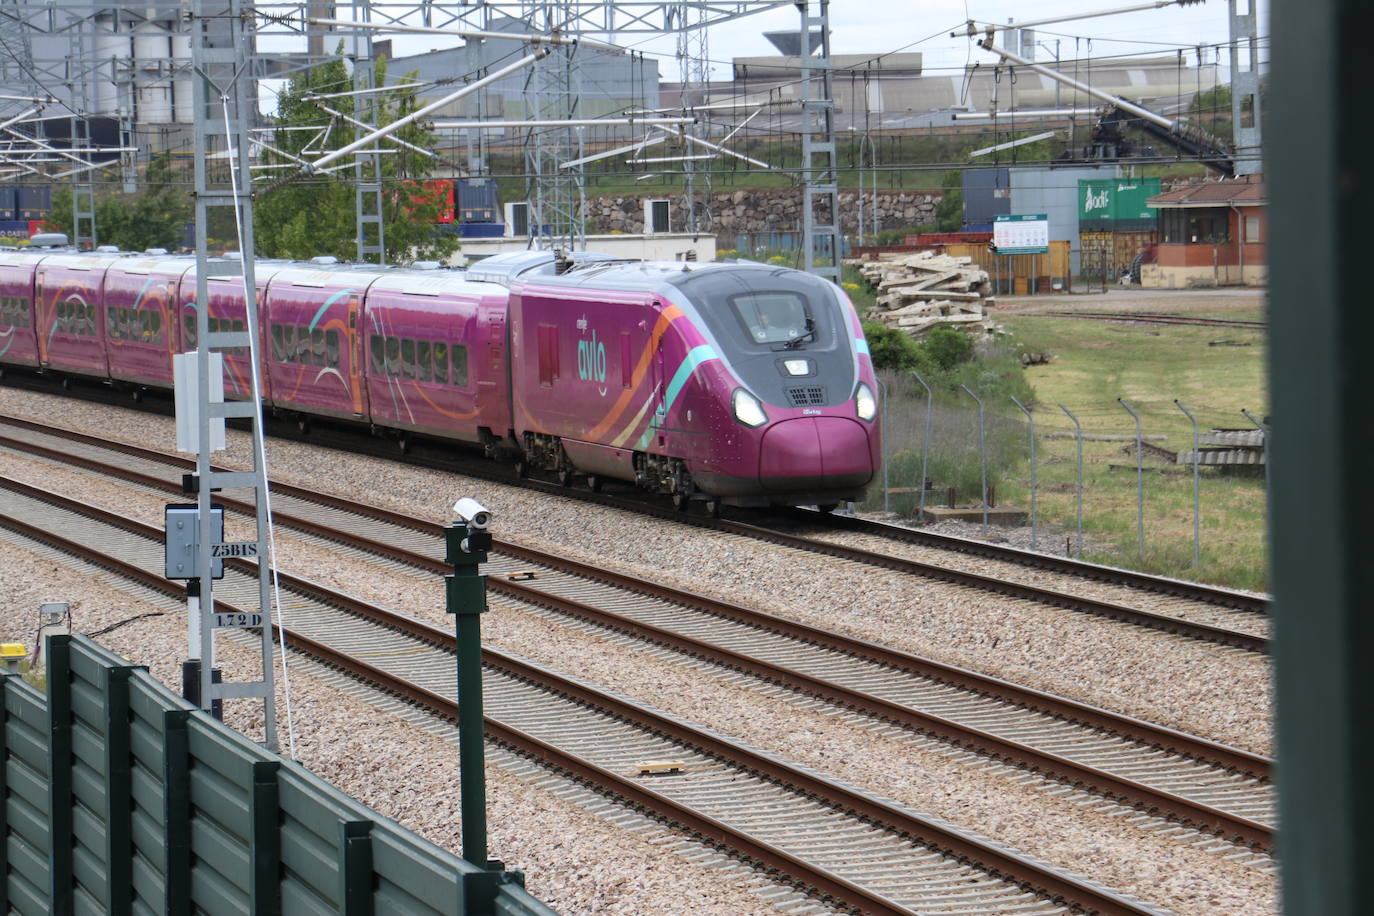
[
  {"x": 945, "y": 347},
  {"x": 890, "y": 348}
]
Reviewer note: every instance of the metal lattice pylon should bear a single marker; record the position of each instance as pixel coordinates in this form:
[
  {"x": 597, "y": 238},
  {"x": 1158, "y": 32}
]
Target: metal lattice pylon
[
  {"x": 820, "y": 177},
  {"x": 224, "y": 101}
]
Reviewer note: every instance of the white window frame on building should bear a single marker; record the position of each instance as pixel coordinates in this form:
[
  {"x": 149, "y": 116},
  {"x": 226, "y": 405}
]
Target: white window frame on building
[{"x": 658, "y": 216}]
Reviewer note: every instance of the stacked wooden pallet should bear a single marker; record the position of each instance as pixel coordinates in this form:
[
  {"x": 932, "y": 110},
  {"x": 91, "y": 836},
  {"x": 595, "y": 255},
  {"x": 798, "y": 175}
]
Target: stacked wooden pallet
[{"x": 920, "y": 290}]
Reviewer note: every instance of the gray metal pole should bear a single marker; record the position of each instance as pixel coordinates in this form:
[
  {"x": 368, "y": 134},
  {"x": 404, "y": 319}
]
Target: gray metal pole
[
  {"x": 982, "y": 453},
  {"x": 887, "y": 492},
  {"x": 1264, "y": 429},
  {"x": 1197, "y": 505},
  {"x": 1139, "y": 479},
  {"x": 1031, "y": 420},
  {"x": 1078, "y": 437},
  {"x": 925, "y": 445}
]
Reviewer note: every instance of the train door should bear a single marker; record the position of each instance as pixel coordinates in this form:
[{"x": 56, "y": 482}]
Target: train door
[
  {"x": 355, "y": 370},
  {"x": 659, "y": 396}
]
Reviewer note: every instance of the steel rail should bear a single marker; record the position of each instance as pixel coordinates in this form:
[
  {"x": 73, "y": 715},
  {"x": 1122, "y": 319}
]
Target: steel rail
[
  {"x": 986, "y": 856},
  {"x": 1148, "y": 619},
  {"x": 1201, "y": 815},
  {"x": 1178, "y": 742}
]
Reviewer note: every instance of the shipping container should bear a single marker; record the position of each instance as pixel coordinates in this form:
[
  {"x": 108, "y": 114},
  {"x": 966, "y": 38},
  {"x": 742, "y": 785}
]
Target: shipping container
[
  {"x": 34, "y": 202},
  {"x": 1116, "y": 204},
  {"x": 9, "y": 202}
]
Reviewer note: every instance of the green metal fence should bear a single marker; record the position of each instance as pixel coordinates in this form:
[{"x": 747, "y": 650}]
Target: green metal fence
[{"x": 120, "y": 798}]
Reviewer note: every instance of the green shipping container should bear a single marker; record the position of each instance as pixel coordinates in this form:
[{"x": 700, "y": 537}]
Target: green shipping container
[{"x": 1105, "y": 204}]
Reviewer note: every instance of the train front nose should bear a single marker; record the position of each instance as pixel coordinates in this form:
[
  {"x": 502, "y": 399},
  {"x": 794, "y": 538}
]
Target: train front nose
[{"x": 815, "y": 452}]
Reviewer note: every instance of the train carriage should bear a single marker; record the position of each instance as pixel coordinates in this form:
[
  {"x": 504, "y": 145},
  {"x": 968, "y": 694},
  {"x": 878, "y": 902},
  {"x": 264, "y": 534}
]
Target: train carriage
[
  {"x": 227, "y": 313},
  {"x": 744, "y": 384},
  {"x": 316, "y": 360},
  {"x": 68, "y": 290},
  {"x": 139, "y": 305},
  {"x": 432, "y": 366},
  {"x": 18, "y": 328}
]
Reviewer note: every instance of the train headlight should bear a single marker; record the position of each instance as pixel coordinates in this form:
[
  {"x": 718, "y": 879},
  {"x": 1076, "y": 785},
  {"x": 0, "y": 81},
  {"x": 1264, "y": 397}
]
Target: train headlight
[
  {"x": 864, "y": 403},
  {"x": 748, "y": 410}
]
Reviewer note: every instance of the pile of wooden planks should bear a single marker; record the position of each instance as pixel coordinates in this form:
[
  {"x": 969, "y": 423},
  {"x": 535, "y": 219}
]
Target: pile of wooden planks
[{"x": 921, "y": 290}]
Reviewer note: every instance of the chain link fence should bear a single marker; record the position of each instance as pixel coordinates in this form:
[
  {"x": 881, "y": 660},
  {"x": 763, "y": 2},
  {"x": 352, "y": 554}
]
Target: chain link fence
[{"x": 1142, "y": 480}]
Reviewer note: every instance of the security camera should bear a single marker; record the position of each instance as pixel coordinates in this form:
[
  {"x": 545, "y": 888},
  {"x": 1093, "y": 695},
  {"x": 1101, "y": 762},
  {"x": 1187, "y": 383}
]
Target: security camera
[{"x": 472, "y": 513}]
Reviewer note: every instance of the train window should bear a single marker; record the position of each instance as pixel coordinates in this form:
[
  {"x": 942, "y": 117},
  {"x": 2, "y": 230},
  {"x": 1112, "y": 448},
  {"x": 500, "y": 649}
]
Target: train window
[
  {"x": 548, "y": 354},
  {"x": 441, "y": 363},
  {"x": 393, "y": 356},
  {"x": 331, "y": 347},
  {"x": 460, "y": 365},
  {"x": 156, "y": 319},
  {"x": 424, "y": 365},
  {"x": 278, "y": 347},
  {"x": 317, "y": 347},
  {"x": 772, "y": 317},
  {"x": 90, "y": 320},
  {"x": 408, "y": 358},
  {"x": 188, "y": 322},
  {"x": 378, "y": 364}
]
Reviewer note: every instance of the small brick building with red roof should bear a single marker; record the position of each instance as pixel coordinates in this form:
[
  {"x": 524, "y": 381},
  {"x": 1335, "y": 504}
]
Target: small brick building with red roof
[{"x": 1210, "y": 234}]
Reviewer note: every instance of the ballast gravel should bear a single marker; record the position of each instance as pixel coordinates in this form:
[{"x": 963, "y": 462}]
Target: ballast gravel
[
  {"x": 573, "y": 860},
  {"x": 1204, "y": 689}
]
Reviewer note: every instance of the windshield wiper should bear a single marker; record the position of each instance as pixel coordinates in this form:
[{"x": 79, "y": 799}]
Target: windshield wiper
[{"x": 808, "y": 334}]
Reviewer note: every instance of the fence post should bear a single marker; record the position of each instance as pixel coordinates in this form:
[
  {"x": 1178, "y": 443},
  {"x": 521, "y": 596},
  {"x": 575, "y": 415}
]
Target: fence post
[
  {"x": 60, "y": 774},
  {"x": 882, "y": 396},
  {"x": 265, "y": 842},
  {"x": 176, "y": 810},
  {"x": 1078, "y": 437},
  {"x": 982, "y": 453},
  {"x": 1265, "y": 430},
  {"x": 1031, "y": 420},
  {"x": 1197, "y": 505},
  {"x": 925, "y": 445},
  {"x": 1139, "y": 479},
  {"x": 118, "y": 792}
]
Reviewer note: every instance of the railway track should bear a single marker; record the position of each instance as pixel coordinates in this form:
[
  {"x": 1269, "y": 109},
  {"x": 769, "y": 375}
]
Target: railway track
[
  {"x": 850, "y": 848},
  {"x": 1209, "y": 786},
  {"x": 1155, "y": 318},
  {"x": 1213, "y": 615}
]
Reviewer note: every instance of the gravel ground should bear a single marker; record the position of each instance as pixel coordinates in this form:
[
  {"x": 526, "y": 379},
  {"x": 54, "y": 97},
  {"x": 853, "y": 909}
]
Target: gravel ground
[
  {"x": 573, "y": 860},
  {"x": 1151, "y": 675}
]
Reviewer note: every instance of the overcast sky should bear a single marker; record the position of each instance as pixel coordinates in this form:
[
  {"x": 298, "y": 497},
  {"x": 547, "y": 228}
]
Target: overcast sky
[{"x": 872, "y": 26}]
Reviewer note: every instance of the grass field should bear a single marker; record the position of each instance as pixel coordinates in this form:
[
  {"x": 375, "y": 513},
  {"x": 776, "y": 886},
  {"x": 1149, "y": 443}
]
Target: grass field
[{"x": 1214, "y": 372}]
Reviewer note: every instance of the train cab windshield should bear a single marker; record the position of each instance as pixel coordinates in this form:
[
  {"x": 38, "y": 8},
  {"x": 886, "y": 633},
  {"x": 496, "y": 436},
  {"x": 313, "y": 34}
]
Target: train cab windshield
[{"x": 780, "y": 317}]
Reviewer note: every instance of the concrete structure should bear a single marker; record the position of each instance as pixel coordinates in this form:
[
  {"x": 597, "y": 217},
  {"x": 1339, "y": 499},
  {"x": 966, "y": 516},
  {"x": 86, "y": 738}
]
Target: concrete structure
[
  {"x": 660, "y": 246},
  {"x": 1211, "y": 234}
]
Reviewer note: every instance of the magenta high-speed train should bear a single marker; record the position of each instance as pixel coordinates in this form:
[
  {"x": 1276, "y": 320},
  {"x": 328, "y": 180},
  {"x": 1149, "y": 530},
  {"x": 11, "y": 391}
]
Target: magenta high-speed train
[{"x": 737, "y": 383}]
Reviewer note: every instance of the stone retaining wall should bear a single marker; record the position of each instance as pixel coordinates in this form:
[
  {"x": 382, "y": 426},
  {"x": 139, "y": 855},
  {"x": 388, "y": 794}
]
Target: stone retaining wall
[{"x": 761, "y": 211}]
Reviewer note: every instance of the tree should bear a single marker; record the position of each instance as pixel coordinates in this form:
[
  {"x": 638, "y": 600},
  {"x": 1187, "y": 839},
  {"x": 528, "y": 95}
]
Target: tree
[
  {"x": 154, "y": 217},
  {"x": 949, "y": 212},
  {"x": 315, "y": 214}
]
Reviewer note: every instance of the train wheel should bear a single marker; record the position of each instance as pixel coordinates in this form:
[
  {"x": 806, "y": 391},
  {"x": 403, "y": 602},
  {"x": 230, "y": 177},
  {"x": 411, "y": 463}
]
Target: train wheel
[
  {"x": 827, "y": 508},
  {"x": 66, "y": 384},
  {"x": 680, "y": 501},
  {"x": 302, "y": 425},
  {"x": 137, "y": 395},
  {"x": 713, "y": 508},
  {"x": 565, "y": 478},
  {"x": 593, "y": 483},
  {"x": 522, "y": 469},
  {"x": 404, "y": 445}
]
